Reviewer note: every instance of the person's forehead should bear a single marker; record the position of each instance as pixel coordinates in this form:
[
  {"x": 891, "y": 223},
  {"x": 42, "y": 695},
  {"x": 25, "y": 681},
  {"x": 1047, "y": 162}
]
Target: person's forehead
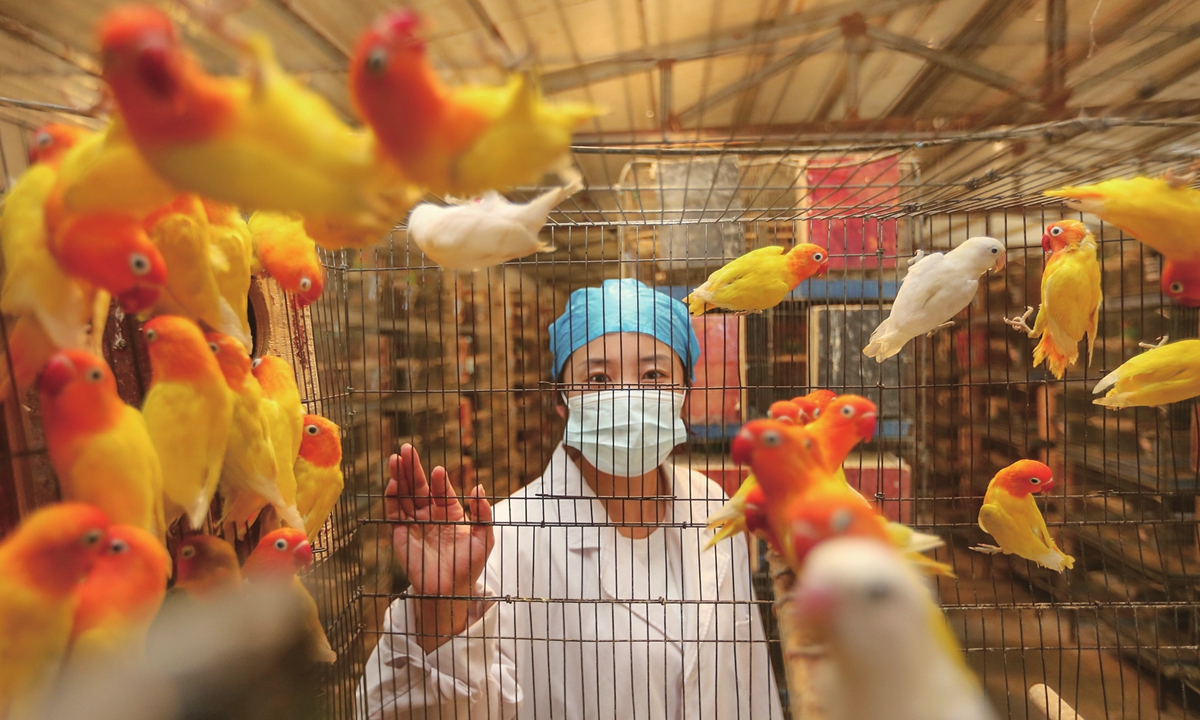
[{"x": 619, "y": 346}]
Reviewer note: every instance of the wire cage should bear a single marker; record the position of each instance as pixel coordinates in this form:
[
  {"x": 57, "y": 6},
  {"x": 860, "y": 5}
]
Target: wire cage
[{"x": 704, "y": 162}]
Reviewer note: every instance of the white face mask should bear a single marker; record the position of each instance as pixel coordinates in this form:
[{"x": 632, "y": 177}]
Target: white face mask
[{"x": 625, "y": 432}]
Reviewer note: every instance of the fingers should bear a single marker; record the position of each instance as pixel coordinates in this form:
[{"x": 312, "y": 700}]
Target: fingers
[
  {"x": 440, "y": 488},
  {"x": 412, "y": 485},
  {"x": 480, "y": 511},
  {"x": 391, "y": 504}
]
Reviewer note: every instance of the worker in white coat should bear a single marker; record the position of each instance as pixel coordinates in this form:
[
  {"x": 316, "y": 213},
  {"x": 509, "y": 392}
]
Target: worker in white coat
[{"x": 588, "y": 593}]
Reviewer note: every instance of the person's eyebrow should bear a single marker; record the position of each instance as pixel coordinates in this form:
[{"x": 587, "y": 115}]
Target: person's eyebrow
[
  {"x": 656, "y": 358},
  {"x": 595, "y": 362}
]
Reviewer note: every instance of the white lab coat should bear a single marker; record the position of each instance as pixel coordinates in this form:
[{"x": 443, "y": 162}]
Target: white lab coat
[{"x": 557, "y": 642}]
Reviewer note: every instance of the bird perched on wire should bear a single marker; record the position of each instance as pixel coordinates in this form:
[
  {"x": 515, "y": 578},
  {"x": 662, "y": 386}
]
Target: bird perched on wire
[
  {"x": 463, "y": 140},
  {"x": 937, "y": 288},
  {"x": 99, "y": 446},
  {"x": 1071, "y": 297},
  {"x": 1010, "y": 515},
  {"x": 486, "y": 231},
  {"x": 41, "y": 566},
  {"x": 1166, "y": 373},
  {"x": 758, "y": 280},
  {"x": 276, "y": 560},
  {"x": 1160, "y": 212},
  {"x": 890, "y": 652},
  {"x": 263, "y": 142},
  {"x": 319, "y": 480}
]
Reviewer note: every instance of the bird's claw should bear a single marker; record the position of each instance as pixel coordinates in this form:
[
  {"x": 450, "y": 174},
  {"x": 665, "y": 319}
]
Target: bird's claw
[
  {"x": 1154, "y": 346},
  {"x": 916, "y": 258},
  {"x": 1021, "y": 323},
  {"x": 943, "y": 326},
  {"x": 986, "y": 549}
]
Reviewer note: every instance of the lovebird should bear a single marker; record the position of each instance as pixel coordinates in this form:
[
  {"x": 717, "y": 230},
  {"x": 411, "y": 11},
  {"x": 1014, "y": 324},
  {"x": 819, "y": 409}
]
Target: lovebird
[
  {"x": 1162, "y": 375},
  {"x": 99, "y": 446},
  {"x": 284, "y": 251},
  {"x": 250, "y": 473},
  {"x": 890, "y": 651},
  {"x": 41, "y": 566},
  {"x": 758, "y": 280},
  {"x": 276, "y": 559},
  {"x": 120, "y": 597},
  {"x": 1010, "y": 515},
  {"x": 740, "y": 511},
  {"x": 1160, "y": 212},
  {"x": 206, "y": 567},
  {"x": 260, "y": 143},
  {"x": 231, "y": 259},
  {"x": 937, "y": 288},
  {"x": 1071, "y": 297},
  {"x": 52, "y": 140},
  {"x": 285, "y": 418},
  {"x": 483, "y": 232},
  {"x": 188, "y": 411},
  {"x": 462, "y": 141},
  {"x": 181, "y": 232},
  {"x": 319, "y": 480}
]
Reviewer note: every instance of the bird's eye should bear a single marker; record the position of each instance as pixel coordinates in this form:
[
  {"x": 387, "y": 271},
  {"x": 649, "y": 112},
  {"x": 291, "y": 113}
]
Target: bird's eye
[
  {"x": 847, "y": 411},
  {"x": 771, "y": 438},
  {"x": 878, "y": 591},
  {"x": 818, "y": 256},
  {"x": 118, "y": 546},
  {"x": 281, "y": 544},
  {"x": 995, "y": 251},
  {"x": 214, "y": 347},
  {"x": 91, "y": 537},
  {"x": 377, "y": 60},
  {"x": 94, "y": 375},
  {"x": 1056, "y": 231},
  {"x": 305, "y": 284},
  {"x": 312, "y": 429},
  {"x": 187, "y": 552},
  {"x": 139, "y": 264},
  {"x": 816, "y": 413},
  {"x": 256, "y": 362},
  {"x": 1177, "y": 287},
  {"x": 840, "y": 520},
  {"x": 44, "y": 139},
  {"x": 151, "y": 335},
  {"x": 1035, "y": 481}
]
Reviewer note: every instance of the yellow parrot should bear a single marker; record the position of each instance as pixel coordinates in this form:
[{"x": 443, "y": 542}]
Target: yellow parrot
[
  {"x": 319, "y": 480},
  {"x": 285, "y": 418},
  {"x": 276, "y": 559},
  {"x": 232, "y": 260},
  {"x": 1160, "y": 376},
  {"x": 758, "y": 280},
  {"x": 1010, "y": 515},
  {"x": 41, "y": 566},
  {"x": 1071, "y": 297},
  {"x": 188, "y": 412}
]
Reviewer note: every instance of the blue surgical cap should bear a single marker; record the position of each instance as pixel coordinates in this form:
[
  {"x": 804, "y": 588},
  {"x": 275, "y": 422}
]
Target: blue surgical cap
[{"x": 623, "y": 306}]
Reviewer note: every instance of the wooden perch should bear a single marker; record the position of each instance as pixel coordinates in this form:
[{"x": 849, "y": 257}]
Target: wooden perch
[
  {"x": 1050, "y": 705},
  {"x": 800, "y": 657}
]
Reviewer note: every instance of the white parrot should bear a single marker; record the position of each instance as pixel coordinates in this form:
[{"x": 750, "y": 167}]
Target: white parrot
[
  {"x": 890, "y": 653},
  {"x": 936, "y": 288},
  {"x": 486, "y": 231}
]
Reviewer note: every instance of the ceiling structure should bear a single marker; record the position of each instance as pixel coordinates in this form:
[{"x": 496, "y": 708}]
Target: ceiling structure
[{"x": 988, "y": 101}]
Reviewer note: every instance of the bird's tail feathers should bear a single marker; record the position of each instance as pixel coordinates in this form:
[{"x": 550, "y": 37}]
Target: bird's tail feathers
[
  {"x": 1056, "y": 356},
  {"x": 884, "y": 343},
  {"x": 1106, "y": 382}
]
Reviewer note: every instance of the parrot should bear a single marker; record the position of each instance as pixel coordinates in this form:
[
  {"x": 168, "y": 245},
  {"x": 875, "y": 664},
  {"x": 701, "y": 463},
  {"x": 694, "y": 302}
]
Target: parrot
[
  {"x": 188, "y": 411},
  {"x": 260, "y": 143},
  {"x": 206, "y": 567},
  {"x": 53, "y": 140},
  {"x": 181, "y": 232},
  {"x": 1071, "y": 297},
  {"x": 319, "y": 480},
  {"x": 1010, "y": 514},
  {"x": 731, "y": 518},
  {"x": 484, "y": 232},
  {"x": 758, "y": 280},
  {"x": 41, "y": 566},
  {"x": 232, "y": 258},
  {"x": 461, "y": 141},
  {"x": 120, "y": 597},
  {"x": 277, "y": 558},
  {"x": 936, "y": 289},
  {"x": 99, "y": 446},
  {"x": 1181, "y": 281},
  {"x": 1162, "y": 375},
  {"x": 285, "y": 417},
  {"x": 285, "y": 252},
  {"x": 890, "y": 652},
  {"x": 250, "y": 474}
]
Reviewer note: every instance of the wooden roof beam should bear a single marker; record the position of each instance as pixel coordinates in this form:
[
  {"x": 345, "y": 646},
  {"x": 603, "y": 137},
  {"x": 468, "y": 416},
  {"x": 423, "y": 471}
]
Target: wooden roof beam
[
  {"x": 1155, "y": 51},
  {"x": 721, "y": 43},
  {"x": 54, "y": 46}
]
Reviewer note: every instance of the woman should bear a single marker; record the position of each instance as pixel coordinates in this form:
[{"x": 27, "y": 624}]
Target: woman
[{"x": 587, "y": 593}]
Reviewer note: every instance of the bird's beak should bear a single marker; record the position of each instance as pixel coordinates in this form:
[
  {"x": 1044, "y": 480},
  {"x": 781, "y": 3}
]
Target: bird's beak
[
  {"x": 1046, "y": 243},
  {"x": 1001, "y": 262},
  {"x": 303, "y": 554},
  {"x": 56, "y": 375},
  {"x": 824, "y": 269},
  {"x": 138, "y": 298},
  {"x": 1048, "y": 485},
  {"x": 866, "y": 426},
  {"x": 742, "y": 448}
]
